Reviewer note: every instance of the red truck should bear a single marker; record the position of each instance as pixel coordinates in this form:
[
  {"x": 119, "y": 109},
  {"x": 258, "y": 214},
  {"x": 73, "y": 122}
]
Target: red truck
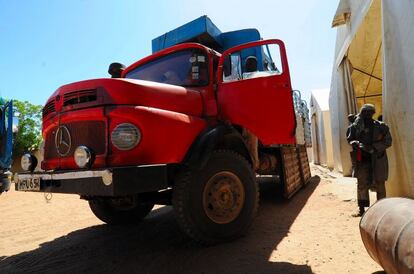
[{"x": 187, "y": 126}]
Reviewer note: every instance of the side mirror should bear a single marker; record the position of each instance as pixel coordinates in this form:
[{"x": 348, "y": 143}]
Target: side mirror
[
  {"x": 116, "y": 69},
  {"x": 15, "y": 127}
]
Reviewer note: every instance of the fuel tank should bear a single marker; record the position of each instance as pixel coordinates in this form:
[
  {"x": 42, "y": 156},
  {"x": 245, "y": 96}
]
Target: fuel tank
[{"x": 387, "y": 231}]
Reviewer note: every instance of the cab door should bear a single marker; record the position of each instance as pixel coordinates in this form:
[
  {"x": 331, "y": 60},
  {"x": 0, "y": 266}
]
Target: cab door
[
  {"x": 6, "y": 135},
  {"x": 257, "y": 98}
]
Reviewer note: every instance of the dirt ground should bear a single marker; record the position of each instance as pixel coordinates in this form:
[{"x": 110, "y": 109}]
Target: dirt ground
[{"x": 311, "y": 233}]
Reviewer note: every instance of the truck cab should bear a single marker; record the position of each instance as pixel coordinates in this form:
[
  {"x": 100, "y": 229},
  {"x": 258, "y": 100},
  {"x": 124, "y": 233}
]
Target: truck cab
[
  {"x": 191, "y": 125},
  {"x": 8, "y": 127}
]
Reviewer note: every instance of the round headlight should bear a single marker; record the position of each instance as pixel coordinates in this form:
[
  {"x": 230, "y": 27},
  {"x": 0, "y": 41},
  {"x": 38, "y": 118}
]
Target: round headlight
[
  {"x": 125, "y": 136},
  {"x": 83, "y": 156},
  {"x": 28, "y": 162}
]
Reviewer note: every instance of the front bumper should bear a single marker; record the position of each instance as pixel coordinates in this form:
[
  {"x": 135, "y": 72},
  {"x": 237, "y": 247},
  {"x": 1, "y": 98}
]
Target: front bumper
[{"x": 113, "y": 182}]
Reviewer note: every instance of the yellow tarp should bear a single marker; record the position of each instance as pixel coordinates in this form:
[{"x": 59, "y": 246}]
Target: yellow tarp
[{"x": 377, "y": 39}]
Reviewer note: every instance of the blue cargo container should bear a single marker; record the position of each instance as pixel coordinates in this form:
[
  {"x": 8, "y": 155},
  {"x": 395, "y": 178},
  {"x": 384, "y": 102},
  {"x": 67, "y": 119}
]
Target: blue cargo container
[{"x": 202, "y": 30}]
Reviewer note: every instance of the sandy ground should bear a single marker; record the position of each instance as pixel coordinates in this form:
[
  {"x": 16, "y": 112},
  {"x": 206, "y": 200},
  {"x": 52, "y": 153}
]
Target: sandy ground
[{"x": 311, "y": 233}]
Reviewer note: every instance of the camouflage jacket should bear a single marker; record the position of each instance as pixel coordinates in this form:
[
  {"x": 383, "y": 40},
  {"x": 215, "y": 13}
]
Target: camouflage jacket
[{"x": 381, "y": 140}]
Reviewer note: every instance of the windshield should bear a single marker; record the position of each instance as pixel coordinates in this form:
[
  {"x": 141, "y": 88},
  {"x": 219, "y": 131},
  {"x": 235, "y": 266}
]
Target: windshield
[{"x": 183, "y": 68}]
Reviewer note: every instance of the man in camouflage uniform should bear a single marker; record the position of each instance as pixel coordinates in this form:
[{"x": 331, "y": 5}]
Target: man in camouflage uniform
[{"x": 370, "y": 139}]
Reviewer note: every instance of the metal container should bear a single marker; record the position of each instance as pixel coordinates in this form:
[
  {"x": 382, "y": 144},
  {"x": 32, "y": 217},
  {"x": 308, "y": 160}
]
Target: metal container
[{"x": 387, "y": 231}]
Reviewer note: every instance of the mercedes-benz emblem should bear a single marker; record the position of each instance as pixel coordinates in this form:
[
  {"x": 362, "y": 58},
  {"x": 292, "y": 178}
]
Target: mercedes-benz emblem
[{"x": 63, "y": 141}]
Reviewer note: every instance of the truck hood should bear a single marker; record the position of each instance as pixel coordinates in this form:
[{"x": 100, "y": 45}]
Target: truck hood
[{"x": 107, "y": 91}]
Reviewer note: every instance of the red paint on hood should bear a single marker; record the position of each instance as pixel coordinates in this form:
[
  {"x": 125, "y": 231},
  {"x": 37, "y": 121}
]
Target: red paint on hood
[{"x": 137, "y": 93}]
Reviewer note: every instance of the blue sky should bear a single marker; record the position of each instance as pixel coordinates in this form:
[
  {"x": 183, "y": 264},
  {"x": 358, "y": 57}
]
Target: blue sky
[{"x": 45, "y": 44}]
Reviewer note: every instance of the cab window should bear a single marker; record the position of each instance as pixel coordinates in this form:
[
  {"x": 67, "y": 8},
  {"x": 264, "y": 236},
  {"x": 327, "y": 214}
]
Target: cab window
[
  {"x": 182, "y": 68},
  {"x": 252, "y": 62}
]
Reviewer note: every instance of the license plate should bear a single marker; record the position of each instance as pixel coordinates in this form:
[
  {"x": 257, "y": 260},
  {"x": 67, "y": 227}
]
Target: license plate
[{"x": 29, "y": 184}]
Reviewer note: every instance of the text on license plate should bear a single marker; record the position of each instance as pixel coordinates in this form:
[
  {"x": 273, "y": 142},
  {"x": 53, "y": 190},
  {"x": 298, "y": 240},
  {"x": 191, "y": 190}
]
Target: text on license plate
[{"x": 29, "y": 184}]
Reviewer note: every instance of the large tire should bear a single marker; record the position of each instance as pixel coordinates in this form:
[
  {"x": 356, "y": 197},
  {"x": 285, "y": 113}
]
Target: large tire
[
  {"x": 117, "y": 211},
  {"x": 4, "y": 184},
  {"x": 218, "y": 202}
]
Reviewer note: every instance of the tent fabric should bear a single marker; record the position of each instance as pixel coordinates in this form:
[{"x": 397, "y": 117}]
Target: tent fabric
[
  {"x": 321, "y": 128},
  {"x": 339, "y": 110},
  {"x": 349, "y": 85},
  {"x": 346, "y": 33},
  {"x": 346, "y": 103},
  {"x": 365, "y": 56},
  {"x": 373, "y": 64},
  {"x": 343, "y": 98},
  {"x": 342, "y": 13},
  {"x": 350, "y": 101},
  {"x": 320, "y": 98},
  {"x": 398, "y": 96}
]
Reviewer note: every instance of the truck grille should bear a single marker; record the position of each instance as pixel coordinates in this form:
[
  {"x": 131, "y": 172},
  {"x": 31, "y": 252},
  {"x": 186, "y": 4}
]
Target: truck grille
[
  {"x": 79, "y": 97},
  {"x": 49, "y": 108},
  {"x": 88, "y": 133}
]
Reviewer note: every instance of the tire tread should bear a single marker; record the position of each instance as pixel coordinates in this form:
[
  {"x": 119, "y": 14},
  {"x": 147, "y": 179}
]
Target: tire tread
[{"x": 180, "y": 196}]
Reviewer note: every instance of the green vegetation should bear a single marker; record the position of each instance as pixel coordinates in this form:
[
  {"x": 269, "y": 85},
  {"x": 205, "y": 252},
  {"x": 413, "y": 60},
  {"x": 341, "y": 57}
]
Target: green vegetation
[{"x": 29, "y": 136}]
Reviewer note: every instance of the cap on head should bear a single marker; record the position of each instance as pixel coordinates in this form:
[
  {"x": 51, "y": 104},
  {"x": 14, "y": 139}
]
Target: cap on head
[
  {"x": 116, "y": 69},
  {"x": 251, "y": 64},
  {"x": 368, "y": 108}
]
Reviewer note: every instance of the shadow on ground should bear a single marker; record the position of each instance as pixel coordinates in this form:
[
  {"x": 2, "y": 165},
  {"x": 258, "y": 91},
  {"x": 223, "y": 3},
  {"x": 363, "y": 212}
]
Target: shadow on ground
[{"x": 158, "y": 246}]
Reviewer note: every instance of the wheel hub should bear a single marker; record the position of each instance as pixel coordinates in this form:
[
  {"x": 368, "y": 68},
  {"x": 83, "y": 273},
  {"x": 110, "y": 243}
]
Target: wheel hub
[
  {"x": 223, "y": 197},
  {"x": 125, "y": 203}
]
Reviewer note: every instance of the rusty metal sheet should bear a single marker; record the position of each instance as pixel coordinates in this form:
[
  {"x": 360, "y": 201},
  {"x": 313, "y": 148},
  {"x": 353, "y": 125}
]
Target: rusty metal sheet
[
  {"x": 387, "y": 231},
  {"x": 296, "y": 170},
  {"x": 304, "y": 162},
  {"x": 291, "y": 170}
]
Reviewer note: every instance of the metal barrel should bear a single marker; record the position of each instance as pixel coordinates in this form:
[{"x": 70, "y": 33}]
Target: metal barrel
[{"x": 387, "y": 231}]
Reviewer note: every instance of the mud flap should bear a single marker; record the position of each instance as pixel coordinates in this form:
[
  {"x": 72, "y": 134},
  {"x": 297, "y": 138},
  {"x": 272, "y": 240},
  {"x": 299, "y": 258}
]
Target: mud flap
[
  {"x": 4, "y": 183},
  {"x": 296, "y": 170}
]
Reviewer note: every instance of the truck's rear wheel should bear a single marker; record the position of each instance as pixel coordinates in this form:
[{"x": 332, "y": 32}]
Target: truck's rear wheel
[
  {"x": 117, "y": 211},
  {"x": 218, "y": 202}
]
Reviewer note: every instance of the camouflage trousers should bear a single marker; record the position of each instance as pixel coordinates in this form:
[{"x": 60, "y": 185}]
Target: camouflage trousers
[{"x": 365, "y": 183}]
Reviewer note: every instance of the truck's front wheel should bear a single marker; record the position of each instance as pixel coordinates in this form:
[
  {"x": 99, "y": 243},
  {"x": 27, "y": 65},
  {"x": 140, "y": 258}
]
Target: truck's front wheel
[
  {"x": 115, "y": 211},
  {"x": 217, "y": 202}
]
